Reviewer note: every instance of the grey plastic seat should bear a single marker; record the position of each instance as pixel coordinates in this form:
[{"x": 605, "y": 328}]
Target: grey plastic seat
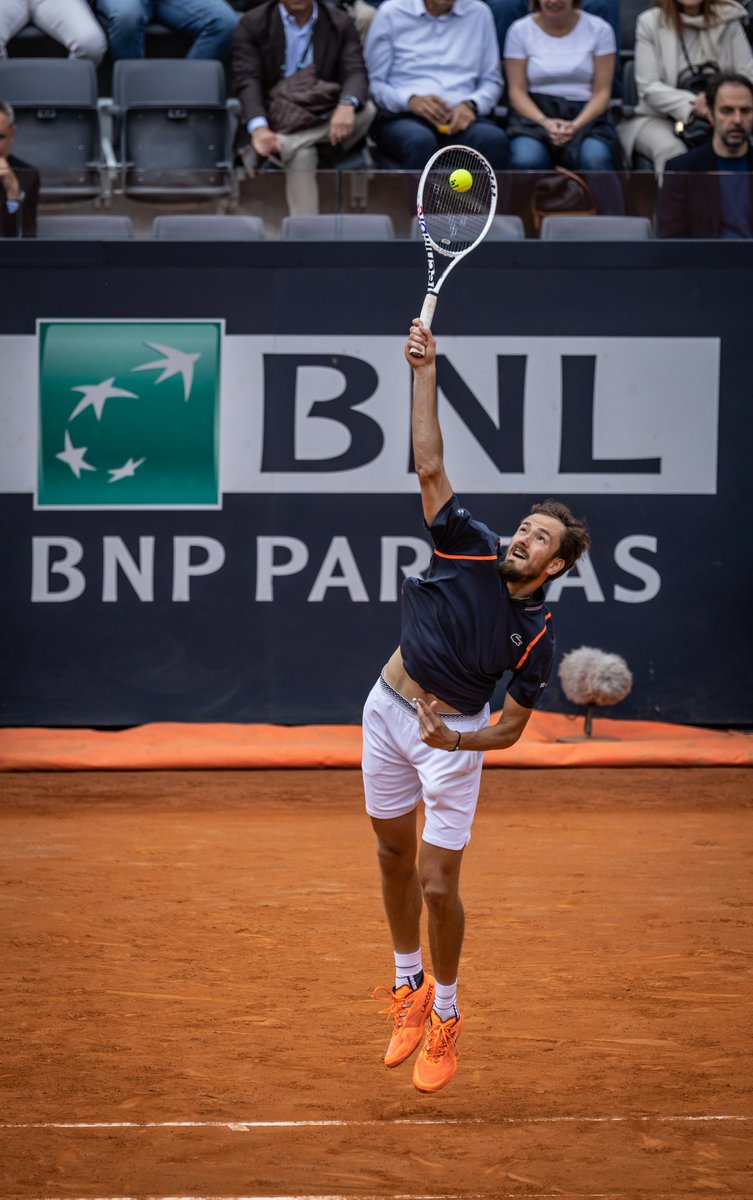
[
  {"x": 219, "y": 228},
  {"x": 345, "y": 227},
  {"x": 85, "y": 228},
  {"x": 596, "y": 229},
  {"x": 505, "y": 227},
  {"x": 173, "y": 127},
  {"x": 55, "y": 102}
]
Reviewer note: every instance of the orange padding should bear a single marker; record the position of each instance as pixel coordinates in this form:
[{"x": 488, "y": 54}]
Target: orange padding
[{"x": 178, "y": 746}]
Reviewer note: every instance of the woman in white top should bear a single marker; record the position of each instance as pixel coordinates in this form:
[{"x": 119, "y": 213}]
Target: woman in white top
[
  {"x": 672, "y": 40},
  {"x": 559, "y": 64}
]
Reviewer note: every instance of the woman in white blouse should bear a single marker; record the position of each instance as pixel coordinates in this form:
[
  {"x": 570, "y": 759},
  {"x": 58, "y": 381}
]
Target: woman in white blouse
[
  {"x": 672, "y": 40},
  {"x": 559, "y": 63}
]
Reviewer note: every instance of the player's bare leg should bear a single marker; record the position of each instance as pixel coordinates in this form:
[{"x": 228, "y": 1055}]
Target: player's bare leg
[
  {"x": 411, "y": 1003},
  {"x": 439, "y": 873},
  {"x": 401, "y": 890}
]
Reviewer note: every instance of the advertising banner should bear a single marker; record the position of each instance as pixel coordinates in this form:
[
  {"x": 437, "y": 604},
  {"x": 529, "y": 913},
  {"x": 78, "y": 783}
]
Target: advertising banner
[{"x": 205, "y": 518}]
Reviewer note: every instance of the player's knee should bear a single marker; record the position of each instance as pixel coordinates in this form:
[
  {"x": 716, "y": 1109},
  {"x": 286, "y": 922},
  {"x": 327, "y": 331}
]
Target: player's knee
[
  {"x": 440, "y": 889},
  {"x": 395, "y": 859}
]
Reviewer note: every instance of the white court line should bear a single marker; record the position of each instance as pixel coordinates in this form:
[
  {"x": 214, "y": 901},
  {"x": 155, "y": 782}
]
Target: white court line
[
  {"x": 243, "y": 1126},
  {"x": 246, "y": 1126}
]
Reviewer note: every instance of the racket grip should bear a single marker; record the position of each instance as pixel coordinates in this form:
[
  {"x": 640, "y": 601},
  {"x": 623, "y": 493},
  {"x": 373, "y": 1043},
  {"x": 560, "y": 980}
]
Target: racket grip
[{"x": 427, "y": 312}]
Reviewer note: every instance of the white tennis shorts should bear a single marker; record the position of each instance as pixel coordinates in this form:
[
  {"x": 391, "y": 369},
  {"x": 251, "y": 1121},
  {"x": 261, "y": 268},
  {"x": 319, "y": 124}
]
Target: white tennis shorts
[{"x": 399, "y": 769}]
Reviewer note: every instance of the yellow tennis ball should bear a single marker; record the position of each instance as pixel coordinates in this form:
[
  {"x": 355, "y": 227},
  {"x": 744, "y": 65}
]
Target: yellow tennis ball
[{"x": 461, "y": 180}]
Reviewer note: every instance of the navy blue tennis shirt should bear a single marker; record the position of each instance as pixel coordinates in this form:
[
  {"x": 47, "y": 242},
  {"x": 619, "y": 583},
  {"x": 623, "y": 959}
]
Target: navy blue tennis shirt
[{"x": 461, "y": 628}]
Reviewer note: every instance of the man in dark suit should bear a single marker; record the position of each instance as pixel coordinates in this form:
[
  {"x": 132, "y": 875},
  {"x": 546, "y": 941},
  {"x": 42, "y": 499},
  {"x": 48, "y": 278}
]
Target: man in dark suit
[
  {"x": 708, "y": 192},
  {"x": 19, "y": 183},
  {"x": 273, "y": 42}
]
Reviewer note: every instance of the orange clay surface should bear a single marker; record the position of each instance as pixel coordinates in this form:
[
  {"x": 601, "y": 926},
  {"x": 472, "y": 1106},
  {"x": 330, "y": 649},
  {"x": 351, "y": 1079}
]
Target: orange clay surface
[{"x": 201, "y": 947}]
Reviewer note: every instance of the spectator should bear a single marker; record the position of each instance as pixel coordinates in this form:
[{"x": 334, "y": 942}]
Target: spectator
[
  {"x": 211, "y": 23},
  {"x": 19, "y": 183},
  {"x": 507, "y": 11},
  {"x": 70, "y": 22},
  {"x": 434, "y": 75},
  {"x": 300, "y": 34},
  {"x": 719, "y": 204},
  {"x": 559, "y": 63},
  {"x": 673, "y": 41}
]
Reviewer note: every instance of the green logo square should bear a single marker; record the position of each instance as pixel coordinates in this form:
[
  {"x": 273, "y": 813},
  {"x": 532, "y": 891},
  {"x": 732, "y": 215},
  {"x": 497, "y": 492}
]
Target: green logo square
[{"x": 129, "y": 413}]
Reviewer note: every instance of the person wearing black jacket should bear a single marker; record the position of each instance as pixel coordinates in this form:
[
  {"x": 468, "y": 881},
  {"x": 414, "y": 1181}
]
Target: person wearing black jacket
[
  {"x": 719, "y": 203},
  {"x": 19, "y": 183},
  {"x": 275, "y": 41}
]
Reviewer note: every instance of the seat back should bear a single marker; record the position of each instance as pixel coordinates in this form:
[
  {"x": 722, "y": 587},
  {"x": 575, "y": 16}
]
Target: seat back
[
  {"x": 341, "y": 227},
  {"x": 596, "y": 229},
  {"x": 55, "y": 101},
  {"x": 172, "y": 126},
  {"x": 219, "y": 228},
  {"x": 505, "y": 227},
  {"x": 84, "y": 228}
]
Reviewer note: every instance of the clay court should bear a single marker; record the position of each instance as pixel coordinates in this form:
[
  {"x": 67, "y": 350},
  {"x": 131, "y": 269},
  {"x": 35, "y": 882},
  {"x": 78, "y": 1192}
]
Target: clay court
[{"x": 189, "y": 958}]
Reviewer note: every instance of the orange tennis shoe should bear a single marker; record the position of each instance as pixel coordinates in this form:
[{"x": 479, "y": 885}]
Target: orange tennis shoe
[
  {"x": 409, "y": 1009},
  {"x": 438, "y": 1060}
]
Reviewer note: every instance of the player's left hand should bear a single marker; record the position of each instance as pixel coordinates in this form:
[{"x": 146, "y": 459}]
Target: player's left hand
[
  {"x": 341, "y": 123},
  {"x": 432, "y": 728}
]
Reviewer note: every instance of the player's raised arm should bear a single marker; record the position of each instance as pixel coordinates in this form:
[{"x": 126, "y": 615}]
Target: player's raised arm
[{"x": 428, "y": 447}]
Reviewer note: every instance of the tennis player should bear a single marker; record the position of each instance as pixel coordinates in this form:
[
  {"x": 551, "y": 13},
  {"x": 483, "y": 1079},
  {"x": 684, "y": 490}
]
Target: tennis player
[{"x": 479, "y": 613}]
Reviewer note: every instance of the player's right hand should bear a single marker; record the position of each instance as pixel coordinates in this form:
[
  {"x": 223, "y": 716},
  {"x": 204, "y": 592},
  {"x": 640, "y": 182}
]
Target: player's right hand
[{"x": 422, "y": 340}]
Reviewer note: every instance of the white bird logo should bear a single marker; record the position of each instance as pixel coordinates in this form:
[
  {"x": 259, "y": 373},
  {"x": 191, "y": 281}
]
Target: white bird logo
[
  {"x": 175, "y": 362},
  {"x": 129, "y": 468},
  {"x": 95, "y": 396},
  {"x": 74, "y": 457}
]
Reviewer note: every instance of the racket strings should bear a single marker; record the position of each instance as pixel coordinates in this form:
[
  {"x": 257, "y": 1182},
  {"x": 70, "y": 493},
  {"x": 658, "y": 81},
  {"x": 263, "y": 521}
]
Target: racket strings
[{"x": 455, "y": 219}]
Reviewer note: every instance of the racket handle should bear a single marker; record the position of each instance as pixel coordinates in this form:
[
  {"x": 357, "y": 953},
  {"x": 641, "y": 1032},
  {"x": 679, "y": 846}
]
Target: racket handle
[
  {"x": 426, "y": 314},
  {"x": 427, "y": 311}
]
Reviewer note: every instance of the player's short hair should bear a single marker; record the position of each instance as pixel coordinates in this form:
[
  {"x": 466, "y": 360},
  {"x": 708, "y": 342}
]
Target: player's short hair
[
  {"x": 717, "y": 81},
  {"x": 576, "y": 538},
  {"x": 7, "y": 110}
]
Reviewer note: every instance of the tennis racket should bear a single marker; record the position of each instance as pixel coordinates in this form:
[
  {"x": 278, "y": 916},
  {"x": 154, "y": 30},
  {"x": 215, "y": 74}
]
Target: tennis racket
[{"x": 453, "y": 219}]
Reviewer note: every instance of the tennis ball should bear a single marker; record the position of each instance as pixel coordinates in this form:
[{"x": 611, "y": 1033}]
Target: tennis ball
[{"x": 461, "y": 180}]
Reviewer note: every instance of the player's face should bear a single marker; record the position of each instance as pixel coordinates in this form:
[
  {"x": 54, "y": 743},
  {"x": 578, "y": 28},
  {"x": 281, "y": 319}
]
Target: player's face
[
  {"x": 300, "y": 9},
  {"x": 733, "y": 115},
  {"x": 439, "y": 8},
  {"x": 533, "y": 550}
]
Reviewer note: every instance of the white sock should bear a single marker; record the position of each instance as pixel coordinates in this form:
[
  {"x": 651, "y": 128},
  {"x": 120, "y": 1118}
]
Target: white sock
[
  {"x": 408, "y": 969},
  {"x": 446, "y": 1001}
]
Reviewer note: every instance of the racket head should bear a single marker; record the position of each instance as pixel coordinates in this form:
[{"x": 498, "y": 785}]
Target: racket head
[{"x": 453, "y": 221}]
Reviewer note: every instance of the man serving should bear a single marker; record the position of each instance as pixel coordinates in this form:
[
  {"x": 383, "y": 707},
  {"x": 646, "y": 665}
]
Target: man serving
[{"x": 479, "y": 613}]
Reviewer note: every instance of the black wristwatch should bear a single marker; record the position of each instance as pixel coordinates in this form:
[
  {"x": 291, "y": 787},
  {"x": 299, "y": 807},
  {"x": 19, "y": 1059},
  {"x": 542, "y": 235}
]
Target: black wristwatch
[{"x": 472, "y": 105}]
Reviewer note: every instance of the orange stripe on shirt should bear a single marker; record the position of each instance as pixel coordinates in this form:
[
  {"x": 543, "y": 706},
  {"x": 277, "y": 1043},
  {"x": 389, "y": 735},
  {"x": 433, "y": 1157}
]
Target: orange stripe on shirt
[
  {"x": 531, "y": 645},
  {"x": 470, "y": 557}
]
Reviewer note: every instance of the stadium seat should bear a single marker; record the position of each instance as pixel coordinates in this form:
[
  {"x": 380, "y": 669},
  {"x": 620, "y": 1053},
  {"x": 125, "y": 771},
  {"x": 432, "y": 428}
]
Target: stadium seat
[
  {"x": 595, "y": 229},
  {"x": 84, "y": 228},
  {"x": 345, "y": 227},
  {"x": 55, "y": 101},
  {"x": 504, "y": 228},
  {"x": 173, "y": 127},
  {"x": 217, "y": 228}
]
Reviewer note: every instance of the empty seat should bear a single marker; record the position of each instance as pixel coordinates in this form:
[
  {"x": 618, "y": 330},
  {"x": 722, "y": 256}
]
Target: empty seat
[
  {"x": 595, "y": 229},
  {"x": 85, "y": 228},
  {"x": 55, "y": 101},
  {"x": 345, "y": 227},
  {"x": 217, "y": 228},
  {"x": 505, "y": 227},
  {"x": 173, "y": 127}
]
